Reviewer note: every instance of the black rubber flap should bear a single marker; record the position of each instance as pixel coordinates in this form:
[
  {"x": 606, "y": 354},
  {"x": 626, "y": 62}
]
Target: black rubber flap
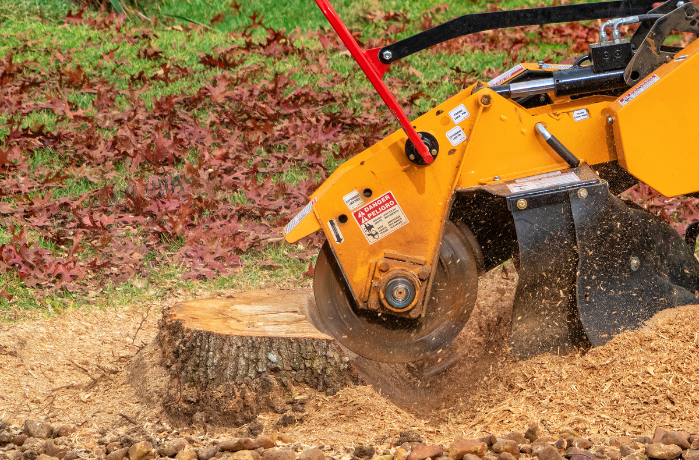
[
  {"x": 544, "y": 317},
  {"x": 631, "y": 265}
]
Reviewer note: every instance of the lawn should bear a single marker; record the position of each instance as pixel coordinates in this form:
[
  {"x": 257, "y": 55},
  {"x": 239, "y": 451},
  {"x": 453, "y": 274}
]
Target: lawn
[{"x": 160, "y": 147}]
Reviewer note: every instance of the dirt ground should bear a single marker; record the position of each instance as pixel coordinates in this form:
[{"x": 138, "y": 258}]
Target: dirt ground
[{"x": 71, "y": 369}]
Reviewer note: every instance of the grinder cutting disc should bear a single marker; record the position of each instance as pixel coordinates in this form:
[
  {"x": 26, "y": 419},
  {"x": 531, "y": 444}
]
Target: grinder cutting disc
[{"x": 388, "y": 338}]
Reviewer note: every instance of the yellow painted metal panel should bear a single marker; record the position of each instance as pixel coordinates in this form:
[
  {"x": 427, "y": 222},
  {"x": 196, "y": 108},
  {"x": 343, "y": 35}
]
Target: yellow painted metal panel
[{"x": 655, "y": 126}]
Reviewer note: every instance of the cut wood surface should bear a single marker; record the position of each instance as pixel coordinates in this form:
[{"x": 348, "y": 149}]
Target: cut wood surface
[{"x": 226, "y": 360}]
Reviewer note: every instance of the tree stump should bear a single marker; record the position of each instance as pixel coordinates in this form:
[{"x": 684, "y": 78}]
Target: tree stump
[{"x": 226, "y": 360}]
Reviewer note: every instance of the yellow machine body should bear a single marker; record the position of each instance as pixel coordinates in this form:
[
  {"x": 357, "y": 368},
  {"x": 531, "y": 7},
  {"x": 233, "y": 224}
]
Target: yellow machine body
[
  {"x": 486, "y": 139},
  {"x": 655, "y": 126}
]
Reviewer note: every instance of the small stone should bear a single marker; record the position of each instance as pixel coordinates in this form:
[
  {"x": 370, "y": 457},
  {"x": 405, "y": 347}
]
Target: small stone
[
  {"x": 118, "y": 454},
  {"x": 400, "y": 454},
  {"x": 34, "y": 444},
  {"x": 642, "y": 440},
  {"x": 527, "y": 450},
  {"x": 637, "y": 445},
  {"x": 532, "y": 432},
  {"x": 550, "y": 453},
  {"x": 141, "y": 451},
  {"x": 282, "y": 454},
  {"x": 63, "y": 431},
  {"x": 425, "y": 451},
  {"x": 583, "y": 443},
  {"x": 690, "y": 454},
  {"x": 171, "y": 448},
  {"x": 364, "y": 451},
  {"x": 19, "y": 439},
  {"x": 658, "y": 435},
  {"x": 561, "y": 444},
  {"x": 613, "y": 454},
  {"x": 312, "y": 454},
  {"x": 52, "y": 450},
  {"x": 461, "y": 447},
  {"x": 537, "y": 447},
  {"x": 673, "y": 437},
  {"x": 543, "y": 439},
  {"x": 633, "y": 457},
  {"x": 5, "y": 437},
  {"x": 29, "y": 455},
  {"x": 206, "y": 453},
  {"x": 255, "y": 428},
  {"x": 506, "y": 456},
  {"x": 45, "y": 457},
  {"x": 663, "y": 451},
  {"x": 112, "y": 446},
  {"x": 37, "y": 429},
  {"x": 489, "y": 440},
  {"x": 516, "y": 436},
  {"x": 71, "y": 455},
  {"x": 694, "y": 441},
  {"x": 471, "y": 457},
  {"x": 506, "y": 445},
  {"x": 407, "y": 436},
  {"x": 264, "y": 442},
  {"x": 625, "y": 450},
  {"x": 186, "y": 454},
  {"x": 245, "y": 455}
]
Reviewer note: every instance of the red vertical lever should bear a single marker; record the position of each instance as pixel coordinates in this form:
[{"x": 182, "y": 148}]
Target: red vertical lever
[{"x": 373, "y": 68}]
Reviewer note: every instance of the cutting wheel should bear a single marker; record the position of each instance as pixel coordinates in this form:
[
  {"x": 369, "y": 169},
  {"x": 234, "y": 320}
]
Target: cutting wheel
[{"x": 387, "y": 338}]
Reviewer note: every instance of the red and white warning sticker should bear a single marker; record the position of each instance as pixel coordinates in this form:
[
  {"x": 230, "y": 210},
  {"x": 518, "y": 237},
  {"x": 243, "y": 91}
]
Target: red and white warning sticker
[
  {"x": 634, "y": 93},
  {"x": 543, "y": 181},
  {"x": 514, "y": 71},
  {"x": 380, "y": 218}
]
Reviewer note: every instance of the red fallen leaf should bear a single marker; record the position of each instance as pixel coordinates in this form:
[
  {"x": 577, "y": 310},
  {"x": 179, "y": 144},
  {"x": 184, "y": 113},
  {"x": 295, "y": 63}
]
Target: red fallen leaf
[
  {"x": 5, "y": 294},
  {"x": 151, "y": 52},
  {"x": 219, "y": 62},
  {"x": 217, "y": 18},
  {"x": 310, "y": 272},
  {"x": 76, "y": 18}
]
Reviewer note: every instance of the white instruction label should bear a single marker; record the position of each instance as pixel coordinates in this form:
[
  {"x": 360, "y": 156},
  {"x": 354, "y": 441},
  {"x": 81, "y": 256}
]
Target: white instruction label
[
  {"x": 459, "y": 114},
  {"x": 353, "y": 200},
  {"x": 507, "y": 75},
  {"x": 581, "y": 114},
  {"x": 543, "y": 181},
  {"x": 634, "y": 93},
  {"x": 380, "y": 218},
  {"x": 456, "y": 136},
  {"x": 299, "y": 217},
  {"x": 556, "y": 66},
  {"x": 335, "y": 230}
]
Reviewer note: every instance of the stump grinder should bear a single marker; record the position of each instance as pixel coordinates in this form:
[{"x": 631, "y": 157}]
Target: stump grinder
[{"x": 525, "y": 167}]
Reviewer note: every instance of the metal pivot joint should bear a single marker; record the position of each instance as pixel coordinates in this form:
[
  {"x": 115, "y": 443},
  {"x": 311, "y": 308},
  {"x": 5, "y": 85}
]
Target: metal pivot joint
[{"x": 429, "y": 141}]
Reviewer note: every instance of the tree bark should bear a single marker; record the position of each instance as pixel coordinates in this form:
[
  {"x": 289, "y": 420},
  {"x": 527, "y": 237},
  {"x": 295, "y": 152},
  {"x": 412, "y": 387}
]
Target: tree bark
[{"x": 229, "y": 359}]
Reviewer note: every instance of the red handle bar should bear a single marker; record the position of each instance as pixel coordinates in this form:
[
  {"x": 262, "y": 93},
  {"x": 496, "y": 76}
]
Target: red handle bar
[{"x": 374, "y": 69}]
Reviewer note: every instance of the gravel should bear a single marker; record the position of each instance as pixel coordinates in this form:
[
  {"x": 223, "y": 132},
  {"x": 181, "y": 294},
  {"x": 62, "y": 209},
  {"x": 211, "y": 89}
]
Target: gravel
[{"x": 38, "y": 440}]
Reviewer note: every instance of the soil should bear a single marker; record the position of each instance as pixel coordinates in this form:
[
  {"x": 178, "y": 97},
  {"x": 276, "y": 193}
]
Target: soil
[{"x": 71, "y": 369}]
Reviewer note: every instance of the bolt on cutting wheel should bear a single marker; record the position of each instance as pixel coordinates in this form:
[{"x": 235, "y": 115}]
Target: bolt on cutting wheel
[{"x": 388, "y": 338}]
